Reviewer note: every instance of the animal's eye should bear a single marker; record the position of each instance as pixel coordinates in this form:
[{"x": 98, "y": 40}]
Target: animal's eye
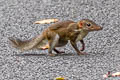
[{"x": 88, "y": 24}]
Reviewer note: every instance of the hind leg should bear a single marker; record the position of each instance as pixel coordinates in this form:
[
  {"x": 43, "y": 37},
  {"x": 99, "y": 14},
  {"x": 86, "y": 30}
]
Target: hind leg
[
  {"x": 59, "y": 52},
  {"x": 53, "y": 42}
]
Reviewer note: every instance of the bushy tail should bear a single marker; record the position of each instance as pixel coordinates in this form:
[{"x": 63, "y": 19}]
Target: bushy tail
[
  {"x": 27, "y": 44},
  {"x": 17, "y": 43}
]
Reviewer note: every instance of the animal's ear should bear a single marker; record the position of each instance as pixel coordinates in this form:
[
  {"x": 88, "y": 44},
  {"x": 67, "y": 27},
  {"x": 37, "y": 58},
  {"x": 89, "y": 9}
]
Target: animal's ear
[{"x": 80, "y": 24}]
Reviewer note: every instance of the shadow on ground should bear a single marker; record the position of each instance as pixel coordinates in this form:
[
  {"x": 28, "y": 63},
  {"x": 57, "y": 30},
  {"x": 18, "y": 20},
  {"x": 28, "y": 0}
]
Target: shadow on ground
[
  {"x": 64, "y": 54},
  {"x": 33, "y": 54}
]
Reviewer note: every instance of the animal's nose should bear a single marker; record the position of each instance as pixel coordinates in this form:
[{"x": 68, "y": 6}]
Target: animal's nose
[{"x": 99, "y": 27}]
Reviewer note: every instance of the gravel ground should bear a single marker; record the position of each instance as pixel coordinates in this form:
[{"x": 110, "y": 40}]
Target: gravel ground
[{"x": 103, "y": 47}]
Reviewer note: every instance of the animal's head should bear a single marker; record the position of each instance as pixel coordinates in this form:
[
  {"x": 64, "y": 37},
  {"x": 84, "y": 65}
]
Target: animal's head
[{"x": 88, "y": 25}]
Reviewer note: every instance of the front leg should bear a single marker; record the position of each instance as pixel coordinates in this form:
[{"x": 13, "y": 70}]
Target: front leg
[
  {"x": 83, "y": 45},
  {"x": 75, "y": 47},
  {"x": 53, "y": 42}
]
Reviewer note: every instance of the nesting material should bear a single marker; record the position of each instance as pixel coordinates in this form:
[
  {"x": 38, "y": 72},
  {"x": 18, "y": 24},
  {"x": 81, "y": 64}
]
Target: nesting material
[{"x": 46, "y": 21}]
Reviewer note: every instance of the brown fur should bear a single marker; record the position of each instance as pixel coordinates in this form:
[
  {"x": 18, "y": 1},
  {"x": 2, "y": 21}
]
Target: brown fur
[{"x": 58, "y": 34}]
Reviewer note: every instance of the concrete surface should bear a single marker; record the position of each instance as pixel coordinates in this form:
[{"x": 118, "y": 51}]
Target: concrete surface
[{"x": 103, "y": 47}]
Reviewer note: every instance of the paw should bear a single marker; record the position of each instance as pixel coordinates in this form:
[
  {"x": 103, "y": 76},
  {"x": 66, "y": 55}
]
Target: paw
[
  {"x": 52, "y": 55},
  {"x": 82, "y": 49}
]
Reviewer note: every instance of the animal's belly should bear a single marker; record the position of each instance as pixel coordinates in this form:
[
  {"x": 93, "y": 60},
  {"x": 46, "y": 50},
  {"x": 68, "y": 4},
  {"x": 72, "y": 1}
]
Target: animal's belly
[
  {"x": 61, "y": 43},
  {"x": 45, "y": 45}
]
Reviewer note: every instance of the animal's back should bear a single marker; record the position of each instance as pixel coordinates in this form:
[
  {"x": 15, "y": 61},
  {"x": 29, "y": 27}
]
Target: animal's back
[{"x": 62, "y": 24}]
